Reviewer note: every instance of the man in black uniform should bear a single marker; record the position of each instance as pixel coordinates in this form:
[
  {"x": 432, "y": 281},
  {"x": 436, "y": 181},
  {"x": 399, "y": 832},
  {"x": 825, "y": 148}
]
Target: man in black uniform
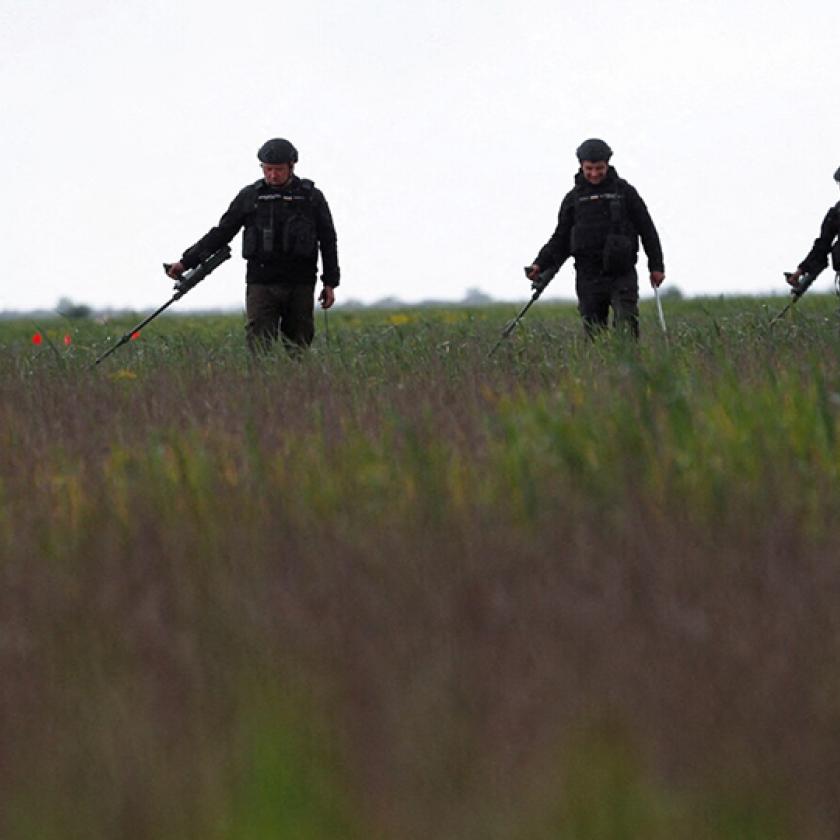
[
  {"x": 828, "y": 242},
  {"x": 286, "y": 220},
  {"x": 599, "y": 224}
]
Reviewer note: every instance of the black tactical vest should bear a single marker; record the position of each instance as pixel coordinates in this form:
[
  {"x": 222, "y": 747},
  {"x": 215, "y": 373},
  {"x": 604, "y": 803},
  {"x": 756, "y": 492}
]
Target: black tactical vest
[
  {"x": 597, "y": 214},
  {"x": 282, "y": 225}
]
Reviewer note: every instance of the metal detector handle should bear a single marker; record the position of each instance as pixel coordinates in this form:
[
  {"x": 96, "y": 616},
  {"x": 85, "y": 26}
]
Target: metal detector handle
[
  {"x": 802, "y": 285},
  {"x": 193, "y": 276},
  {"x": 543, "y": 278},
  {"x": 796, "y": 292}
]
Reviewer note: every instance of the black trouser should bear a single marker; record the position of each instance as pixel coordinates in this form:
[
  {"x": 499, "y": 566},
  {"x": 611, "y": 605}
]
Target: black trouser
[
  {"x": 280, "y": 309},
  {"x": 597, "y": 292}
]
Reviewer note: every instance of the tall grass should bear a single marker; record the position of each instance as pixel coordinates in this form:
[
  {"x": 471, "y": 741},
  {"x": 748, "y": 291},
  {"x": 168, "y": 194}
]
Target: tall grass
[{"x": 399, "y": 589}]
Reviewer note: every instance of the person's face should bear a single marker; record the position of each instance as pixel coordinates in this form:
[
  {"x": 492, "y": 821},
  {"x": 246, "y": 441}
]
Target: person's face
[
  {"x": 594, "y": 170},
  {"x": 277, "y": 174}
]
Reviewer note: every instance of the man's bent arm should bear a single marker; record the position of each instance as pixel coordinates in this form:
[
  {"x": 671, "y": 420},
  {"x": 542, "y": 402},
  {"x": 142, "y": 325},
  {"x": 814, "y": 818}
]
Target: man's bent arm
[
  {"x": 647, "y": 232},
  {"x": 558, "y": 248},
  {"x": 328, "y": 243},
  {"x": 817, "y": 258},
  {"x": 229, "y": 225}
]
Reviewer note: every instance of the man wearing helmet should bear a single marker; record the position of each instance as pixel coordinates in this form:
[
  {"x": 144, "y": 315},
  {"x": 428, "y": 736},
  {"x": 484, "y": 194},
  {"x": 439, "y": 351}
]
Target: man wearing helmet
[
  {"x": 828, "y": 242},
  {"x": 600, "y": 222},
  {"x": 286, "y": 221}
]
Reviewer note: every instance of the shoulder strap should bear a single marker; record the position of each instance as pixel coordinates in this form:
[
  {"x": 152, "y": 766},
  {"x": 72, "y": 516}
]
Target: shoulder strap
[
  {"x": 618, "y": 211},
  {"x": 248, "y": 196}
]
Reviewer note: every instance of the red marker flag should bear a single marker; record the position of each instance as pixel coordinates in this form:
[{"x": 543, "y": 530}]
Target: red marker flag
[{"x": 37, "y": 338}]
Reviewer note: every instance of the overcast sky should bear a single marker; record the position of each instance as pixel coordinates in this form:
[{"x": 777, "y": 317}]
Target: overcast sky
[{"x": 441, "y": 132}]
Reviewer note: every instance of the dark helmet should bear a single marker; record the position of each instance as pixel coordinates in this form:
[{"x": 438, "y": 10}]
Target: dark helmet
[
  {"x": 593, "y": 149},
  {"x": 277, "y": 151},
  {"x": 837, "y": 176}
]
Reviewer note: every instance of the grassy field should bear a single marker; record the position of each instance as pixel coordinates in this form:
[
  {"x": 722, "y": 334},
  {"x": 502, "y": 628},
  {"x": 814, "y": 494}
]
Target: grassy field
[{"x": 397, "y": 589}]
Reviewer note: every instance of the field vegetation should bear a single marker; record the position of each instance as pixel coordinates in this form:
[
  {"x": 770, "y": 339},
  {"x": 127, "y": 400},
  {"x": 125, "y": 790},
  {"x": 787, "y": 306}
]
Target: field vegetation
[{"x": 397, "y": 589}]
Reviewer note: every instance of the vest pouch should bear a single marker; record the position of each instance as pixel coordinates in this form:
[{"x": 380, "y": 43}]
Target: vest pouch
[
  {"x": 250, "y": 240},
  {"x": 588, "y": 240},
  {"x": 267, "y": 234},
  {"x": 619, "y": 253},
  {"x": 299, "y": 237},
  {"x": 258, "y": 238}
]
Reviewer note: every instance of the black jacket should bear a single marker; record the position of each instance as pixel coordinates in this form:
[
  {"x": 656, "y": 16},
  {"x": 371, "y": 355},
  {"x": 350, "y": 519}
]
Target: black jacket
[
  {"x": 580, "y": 201},
  {"x": 284, "y": 229},
  {"x": 825, "y": 244}
]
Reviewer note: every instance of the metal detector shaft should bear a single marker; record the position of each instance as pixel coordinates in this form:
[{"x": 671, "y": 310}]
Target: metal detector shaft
[
  {"x": 511, "y": 326},
  {"x": 539, "y": 287},
  {"x": 801, "y": 287},
  {"x": 127, "y": 337},
  {"x": 189, "y": 280},
  {"x": 659, "y": 310},
  {"x": 783, "y": 312}
]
